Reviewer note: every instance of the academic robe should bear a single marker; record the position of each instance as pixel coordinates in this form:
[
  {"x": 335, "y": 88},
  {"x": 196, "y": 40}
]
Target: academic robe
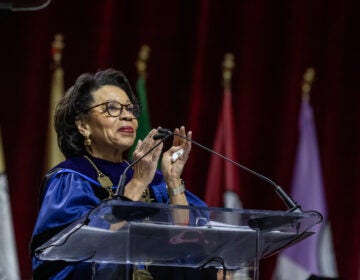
[{"x": 68, "y": 192}]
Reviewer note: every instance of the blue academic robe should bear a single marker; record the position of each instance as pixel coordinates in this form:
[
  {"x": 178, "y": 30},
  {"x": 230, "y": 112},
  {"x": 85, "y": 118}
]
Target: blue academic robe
[{"x": 68, "y": 192}]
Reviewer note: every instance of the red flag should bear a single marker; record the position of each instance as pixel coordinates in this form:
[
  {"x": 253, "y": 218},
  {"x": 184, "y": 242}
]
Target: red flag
[{"x": 223, "y": 178}]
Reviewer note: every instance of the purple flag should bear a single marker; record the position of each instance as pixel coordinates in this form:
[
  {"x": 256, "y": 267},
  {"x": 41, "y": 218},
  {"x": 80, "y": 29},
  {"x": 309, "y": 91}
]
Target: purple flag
[{"x": 307, "y": 257}]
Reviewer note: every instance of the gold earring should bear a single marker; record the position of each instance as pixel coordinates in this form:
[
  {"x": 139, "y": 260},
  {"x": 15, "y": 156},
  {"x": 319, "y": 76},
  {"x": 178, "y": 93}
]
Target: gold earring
[{"x": 87, "y": 141}]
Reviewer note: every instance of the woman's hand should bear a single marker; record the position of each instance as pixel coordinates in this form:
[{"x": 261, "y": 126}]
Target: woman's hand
[
  {"x": 144, "y": 170},
  {"x": 172, "y": 169}
]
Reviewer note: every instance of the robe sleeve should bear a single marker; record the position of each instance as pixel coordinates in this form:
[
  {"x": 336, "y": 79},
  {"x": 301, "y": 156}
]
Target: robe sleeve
[{"x": 67, "y": 198}]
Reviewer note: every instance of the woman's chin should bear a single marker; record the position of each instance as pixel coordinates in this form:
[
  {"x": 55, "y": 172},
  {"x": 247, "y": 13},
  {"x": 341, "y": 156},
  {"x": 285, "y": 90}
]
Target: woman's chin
[{"x": 125, "y": 145}]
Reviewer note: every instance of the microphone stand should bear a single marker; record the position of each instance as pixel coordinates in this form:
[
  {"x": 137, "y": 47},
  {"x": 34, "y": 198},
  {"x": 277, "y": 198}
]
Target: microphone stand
[{"x": 289, "y": 202}]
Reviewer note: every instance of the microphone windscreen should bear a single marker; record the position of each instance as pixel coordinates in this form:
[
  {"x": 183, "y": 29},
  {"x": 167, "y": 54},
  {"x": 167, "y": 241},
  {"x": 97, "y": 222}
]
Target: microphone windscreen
[
  {"x": 159, "y": 136},
  {"x": 164, "y": 130}
]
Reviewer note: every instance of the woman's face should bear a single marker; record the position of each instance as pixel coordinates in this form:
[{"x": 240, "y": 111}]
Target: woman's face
[{"x": 110, "y": 136}]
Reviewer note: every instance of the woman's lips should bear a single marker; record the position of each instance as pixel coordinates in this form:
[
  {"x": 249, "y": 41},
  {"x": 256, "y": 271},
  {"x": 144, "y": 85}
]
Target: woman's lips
[{"x": 126, "y": 129}]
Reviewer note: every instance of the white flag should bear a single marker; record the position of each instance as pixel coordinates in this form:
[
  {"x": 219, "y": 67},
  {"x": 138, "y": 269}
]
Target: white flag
[{"x": 9, "y": 269}]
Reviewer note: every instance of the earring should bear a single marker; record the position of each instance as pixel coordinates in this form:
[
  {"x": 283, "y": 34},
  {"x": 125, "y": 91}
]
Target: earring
[{"x": 87, "y": 141}]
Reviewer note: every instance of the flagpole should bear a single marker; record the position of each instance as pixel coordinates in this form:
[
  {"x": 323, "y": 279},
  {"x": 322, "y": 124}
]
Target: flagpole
[
  {"x": 227, "y": 66},
  {"x": 141, "y": 63},
  {"x": 226, "y": 132},
  {"x": 53, "y": 153},
  {"x": 309, "y": 77},
  {"x": 144, "y": 117},
  {"x": 231, "y": 178}
]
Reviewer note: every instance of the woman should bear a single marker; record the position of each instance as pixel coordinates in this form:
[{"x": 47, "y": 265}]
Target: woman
[{"x": 96, "y": 123}]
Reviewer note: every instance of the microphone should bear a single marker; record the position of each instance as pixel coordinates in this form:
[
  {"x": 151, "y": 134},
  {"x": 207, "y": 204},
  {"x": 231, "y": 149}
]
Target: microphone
[
  {"x": 121, "y": 184},
  {"x": 289, "y": 202},
  {"x": 161, "y": 135}
]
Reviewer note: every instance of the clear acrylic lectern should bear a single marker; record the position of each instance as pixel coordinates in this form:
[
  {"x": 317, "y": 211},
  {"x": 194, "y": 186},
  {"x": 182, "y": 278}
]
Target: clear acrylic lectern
[{"x": 123, "y": 232}]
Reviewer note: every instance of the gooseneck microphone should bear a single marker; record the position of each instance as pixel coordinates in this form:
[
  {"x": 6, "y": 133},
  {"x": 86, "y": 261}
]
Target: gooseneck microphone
[
  {"x": 289, "y": 202},
  {"x": 121, "y": 184}
]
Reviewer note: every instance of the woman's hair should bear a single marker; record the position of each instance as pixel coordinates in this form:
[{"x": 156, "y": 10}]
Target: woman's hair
[{"x": 75, "y": 102}]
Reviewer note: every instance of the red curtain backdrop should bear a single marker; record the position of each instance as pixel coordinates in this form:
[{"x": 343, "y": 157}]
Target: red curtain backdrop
[{"x": 273, "y": 43}]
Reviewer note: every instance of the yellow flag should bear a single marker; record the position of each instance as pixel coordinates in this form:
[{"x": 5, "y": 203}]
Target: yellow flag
[{"x": 53, "y": 153}]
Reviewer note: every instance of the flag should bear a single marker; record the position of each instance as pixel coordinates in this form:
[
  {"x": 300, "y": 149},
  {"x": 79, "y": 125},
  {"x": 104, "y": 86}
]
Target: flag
[
  {"x": 144, "y": 117},
  {"x": 314, "y": 255},
  {"x": 222, "y": 187},
  {"x": 9, "y": 269},
  {"x": 53, "y": 153}
]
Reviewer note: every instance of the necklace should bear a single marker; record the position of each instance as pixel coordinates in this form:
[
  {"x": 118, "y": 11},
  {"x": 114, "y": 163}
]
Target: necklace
[
  {"x": 146, "y": 196},
  {"x": 106, "y": 183},
  {"x": 104, "y": 180}
]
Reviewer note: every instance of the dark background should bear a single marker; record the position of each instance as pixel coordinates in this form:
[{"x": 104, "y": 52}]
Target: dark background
[{"x": 273, "y": 43}]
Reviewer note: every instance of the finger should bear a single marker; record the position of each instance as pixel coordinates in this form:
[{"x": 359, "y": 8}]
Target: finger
[
  {"x": 150, "y": 134},
  {"x": 157, "y": 152},
  {"x": 188, "y": 136},
  {"x": 177, "y": 139},
  {"x": 182, "y": 130},
  {"x": 182, "y": 139},
  {"x": 148, "y": 140},
  {"x": 183, "y": 134},
  {"x": 134, "y": 154},
  {"x": 138, "y": 145},
  {"x": 188, "y": 144}
]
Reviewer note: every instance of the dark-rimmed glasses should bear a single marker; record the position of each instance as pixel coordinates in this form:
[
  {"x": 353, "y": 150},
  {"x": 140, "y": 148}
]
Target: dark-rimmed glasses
[{"x": 114, "y": 109}]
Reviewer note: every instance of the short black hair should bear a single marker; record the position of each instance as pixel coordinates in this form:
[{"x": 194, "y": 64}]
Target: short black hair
[{"x": 75, "y": 102}]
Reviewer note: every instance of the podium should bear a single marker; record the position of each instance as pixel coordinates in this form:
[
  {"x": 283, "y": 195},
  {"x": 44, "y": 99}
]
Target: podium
[{"x": 137, "y": 233}]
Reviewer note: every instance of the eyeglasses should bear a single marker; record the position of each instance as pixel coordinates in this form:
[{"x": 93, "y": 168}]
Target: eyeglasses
[{"x": 115, "y": 109}]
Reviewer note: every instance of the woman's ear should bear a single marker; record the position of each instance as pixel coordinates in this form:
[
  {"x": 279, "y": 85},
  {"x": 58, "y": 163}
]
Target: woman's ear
[{"x": 83, "y": 127}]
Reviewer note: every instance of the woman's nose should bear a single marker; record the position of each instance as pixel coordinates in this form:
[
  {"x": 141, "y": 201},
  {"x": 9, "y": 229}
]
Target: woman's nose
[{"x": 126, "y": 115}]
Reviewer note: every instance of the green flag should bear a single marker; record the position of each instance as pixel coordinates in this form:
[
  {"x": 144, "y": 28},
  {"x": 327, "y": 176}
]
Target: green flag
[{"x": 144, "y": 118}]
